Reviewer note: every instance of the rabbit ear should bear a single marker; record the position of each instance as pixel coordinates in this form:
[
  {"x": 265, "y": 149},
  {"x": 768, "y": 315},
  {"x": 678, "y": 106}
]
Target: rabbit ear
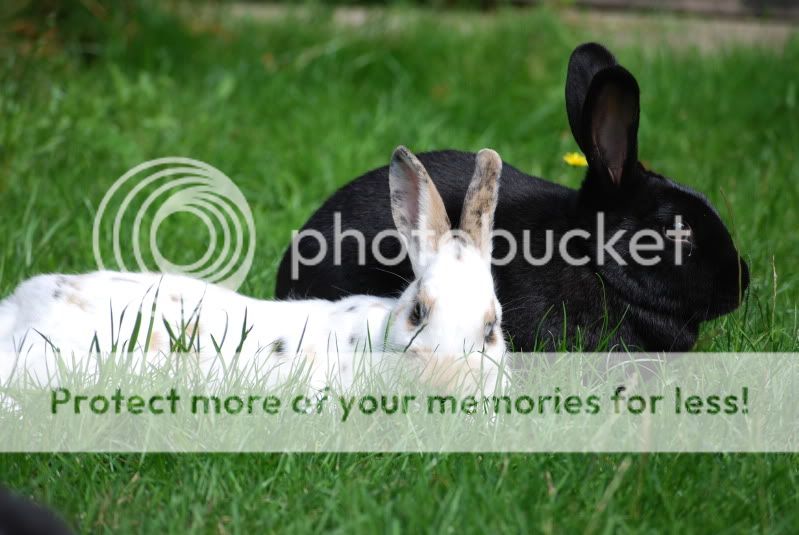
[
  {"x": 602, "y": 101},
  {"x": 586, "y": 60},
  {"x": 610, "y": 124},
  {"x": 418, "y": 211},
  {"x": 477, "y": 216}
]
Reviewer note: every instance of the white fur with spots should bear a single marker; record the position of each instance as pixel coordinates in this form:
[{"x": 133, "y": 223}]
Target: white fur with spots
[{"x": 454, "y": 337}]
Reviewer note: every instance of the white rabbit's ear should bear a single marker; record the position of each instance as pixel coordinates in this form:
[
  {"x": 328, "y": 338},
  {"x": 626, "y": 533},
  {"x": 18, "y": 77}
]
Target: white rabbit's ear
[
  {"x": 477, "y": 216},
  {"x": 417, "y": 208}
]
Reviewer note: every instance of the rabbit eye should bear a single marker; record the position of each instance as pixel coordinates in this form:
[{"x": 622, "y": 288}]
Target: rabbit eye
[
  {"x": 488, "y": 332},
  {"x": 680, "y": 231},
  {"x": 418, "y": 313}
]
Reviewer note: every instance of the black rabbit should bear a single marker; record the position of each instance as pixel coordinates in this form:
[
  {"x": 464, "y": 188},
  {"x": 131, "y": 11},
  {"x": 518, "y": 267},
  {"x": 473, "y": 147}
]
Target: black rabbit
[{"x": 651, "y": 308}]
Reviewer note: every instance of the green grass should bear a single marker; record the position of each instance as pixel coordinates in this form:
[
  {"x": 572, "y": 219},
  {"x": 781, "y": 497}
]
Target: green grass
[{"x": 292, "y": 109}]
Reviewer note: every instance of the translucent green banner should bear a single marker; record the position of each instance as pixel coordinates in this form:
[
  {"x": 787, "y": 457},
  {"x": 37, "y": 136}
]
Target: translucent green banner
[{"x": 699, "y": 402}]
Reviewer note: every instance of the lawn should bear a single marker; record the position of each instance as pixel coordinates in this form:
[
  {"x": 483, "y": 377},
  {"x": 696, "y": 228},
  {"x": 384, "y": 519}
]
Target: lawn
[{"x": 290, "y": 109}]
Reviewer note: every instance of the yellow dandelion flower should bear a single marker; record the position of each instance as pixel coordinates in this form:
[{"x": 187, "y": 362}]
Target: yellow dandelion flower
[{"x": 575, "y": 159}]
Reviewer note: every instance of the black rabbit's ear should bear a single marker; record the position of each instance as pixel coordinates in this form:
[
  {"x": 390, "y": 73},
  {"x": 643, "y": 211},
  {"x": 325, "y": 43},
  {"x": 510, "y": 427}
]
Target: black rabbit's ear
[
  {"x": 585, "y": 62},
  {"x": 609, "y": 129}
]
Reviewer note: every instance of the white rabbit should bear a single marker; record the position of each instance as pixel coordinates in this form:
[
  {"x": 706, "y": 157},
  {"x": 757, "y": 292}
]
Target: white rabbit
[{"x": 446, "y": 322}]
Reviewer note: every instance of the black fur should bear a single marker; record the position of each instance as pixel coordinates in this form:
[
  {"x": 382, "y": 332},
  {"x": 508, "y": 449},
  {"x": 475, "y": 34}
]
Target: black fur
[
  {"x": 19, "y": 516},
  {"x": 655, "y": 308}
]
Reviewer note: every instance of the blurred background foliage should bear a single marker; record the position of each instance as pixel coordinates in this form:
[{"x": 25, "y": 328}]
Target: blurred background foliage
[
  {"x": 88, "y": 28},
  {"x": 44, "y": 27}
]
